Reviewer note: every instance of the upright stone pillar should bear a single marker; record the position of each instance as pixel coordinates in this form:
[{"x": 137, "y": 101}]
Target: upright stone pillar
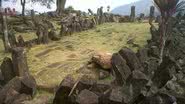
[
  {"x": 20, "y": 61},
  {"x": 132, "y": 14},
  {"x": 152, "y": 11}
]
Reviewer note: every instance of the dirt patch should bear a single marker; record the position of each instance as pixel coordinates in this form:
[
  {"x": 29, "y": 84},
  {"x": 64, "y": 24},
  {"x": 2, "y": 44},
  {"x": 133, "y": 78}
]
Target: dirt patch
[{"x": 43, "y": 53}]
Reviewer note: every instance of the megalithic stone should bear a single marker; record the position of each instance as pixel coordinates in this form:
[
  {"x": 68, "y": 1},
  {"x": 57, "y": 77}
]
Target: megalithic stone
[
  {"x": 133, "y": 13},
  {"x": 19, "y": 61},
  {"x": 7, "y": 69},
  {"x": 152, "y": 11}
]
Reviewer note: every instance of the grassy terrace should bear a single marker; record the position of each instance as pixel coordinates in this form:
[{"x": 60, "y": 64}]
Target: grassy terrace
[{"x": 49, "y": 64}]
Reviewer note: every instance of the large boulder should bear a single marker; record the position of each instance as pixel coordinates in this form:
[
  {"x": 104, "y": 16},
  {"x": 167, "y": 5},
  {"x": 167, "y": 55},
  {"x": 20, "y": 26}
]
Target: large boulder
[
  {"x": 7, "y": 69},
  {"x": 131, "y": 59},
  {"x": 102, "y": 59},
  {"x": 65, "y": 87},
  {"x": 120, "y": 69}
]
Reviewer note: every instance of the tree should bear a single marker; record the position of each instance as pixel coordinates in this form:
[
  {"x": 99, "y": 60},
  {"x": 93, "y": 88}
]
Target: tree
[
  {"x": 23, "y": 3},
  {"x": 167, "y": 8},
  {"x": 60, "y": 6},
  {"x": 5, "y": 32}
]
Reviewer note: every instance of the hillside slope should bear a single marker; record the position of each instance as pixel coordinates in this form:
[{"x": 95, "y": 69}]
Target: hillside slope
[{"x": 142, "y": 6}]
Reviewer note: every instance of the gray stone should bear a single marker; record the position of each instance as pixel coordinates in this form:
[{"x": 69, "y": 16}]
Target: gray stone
[{"x": 131, "y": 59}]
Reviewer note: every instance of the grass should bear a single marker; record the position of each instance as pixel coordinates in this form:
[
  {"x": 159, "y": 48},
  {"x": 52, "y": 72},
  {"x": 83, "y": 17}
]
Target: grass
[{"x": 49, "y": 64}]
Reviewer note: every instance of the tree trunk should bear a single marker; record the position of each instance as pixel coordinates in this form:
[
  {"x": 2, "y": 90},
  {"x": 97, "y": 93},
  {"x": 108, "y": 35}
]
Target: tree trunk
[
  {"x": 5, "y": 33},
  {"x": 60, "y": 6},
  {"x": 162, "y": 39},
  {"x": 23, "y": 3}
]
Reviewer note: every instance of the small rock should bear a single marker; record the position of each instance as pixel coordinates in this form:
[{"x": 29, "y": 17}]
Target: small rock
[{"x": 103, "y": 74}]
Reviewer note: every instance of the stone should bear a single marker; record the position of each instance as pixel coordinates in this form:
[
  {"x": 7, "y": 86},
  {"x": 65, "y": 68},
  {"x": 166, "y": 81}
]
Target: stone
[
  {"x": 2, "y": 82},
  {"x": 116, "y": 96},
  {"x": 154, "y": 51},
  {"x": 164, "y": 72},
  {"x": 7, "y": 69},
  {"x": 53, "y": 36},
  {"x": 85, "y": 83},
  {"x": 160, "y": 98},
  {"x": 28, "y": 85},
  {"x": 21, "y": 42},
  {"x": 103, "y": 59},
  {"x": 18, "y": 85},
  {"x": 13, "y": 85},
  {"x": 19, "y": 61},
  {"x": 21, "y": 99},
  {"x": 11, "y": 96},
  {"x": 136, "y": 84},
  {"x": 131, "y": 59},
  {"x": 100, "y": 87},
  {"x": 87, "y": 97},
  {"x": 142, "y": 55},
  {"x": 151, "y": 66},
  {"x": 112, "y": 96},
  {"x": 64, "y": 89},
  {"x": 103, "y": 74},
  {"x": 120, "y": 69}
]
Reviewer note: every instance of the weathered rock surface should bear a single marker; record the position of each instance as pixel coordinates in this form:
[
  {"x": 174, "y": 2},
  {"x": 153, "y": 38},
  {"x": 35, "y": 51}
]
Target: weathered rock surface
[
  {"x": 7, "y": 69},
  {"x": 87, "y": 97},
  {"x": 61, "y": 96},
  {"x": 19, "y": 61},
  {"x": 103, "y": 59},
  {"x": 131, "y": 59},
  {"x": 120, "y": 69}
]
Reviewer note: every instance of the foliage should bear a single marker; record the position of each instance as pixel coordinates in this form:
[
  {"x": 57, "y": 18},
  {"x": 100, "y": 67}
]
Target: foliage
[
  {"x": 46, "y": 3},
  {"x": 70, "y": 8},
  {"x": 167, "y": 8}
]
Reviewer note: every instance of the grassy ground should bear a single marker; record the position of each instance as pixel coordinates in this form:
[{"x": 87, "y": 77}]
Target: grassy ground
[{"x": 49, "y": 64}]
